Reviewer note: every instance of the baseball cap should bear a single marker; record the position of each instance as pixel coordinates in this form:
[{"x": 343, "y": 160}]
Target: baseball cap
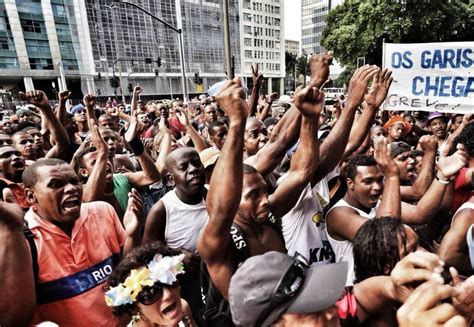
[
  {"x": 398, "y": 147},
  {"x": 24, "y": 111},
  {"x": 436, "y": 114},
  {"x": 209, "y": 156},
  {"x": 269, "y": 285},
  {"x": 77, "y": 107}
]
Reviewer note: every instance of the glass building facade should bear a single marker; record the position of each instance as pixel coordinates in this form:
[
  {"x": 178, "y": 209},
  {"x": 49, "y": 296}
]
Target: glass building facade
[
  {"x": 35, "y": 34},
  {"x": 66, "y": 30},
  {"x": 313, "y": 13},
  {"x": 8, "y": 56},
  {"x": 130, "y": 36},
  {"x": 43, "y": 44}
]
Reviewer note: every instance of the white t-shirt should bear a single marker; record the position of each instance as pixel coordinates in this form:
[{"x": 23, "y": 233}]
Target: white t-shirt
[
  {"x": 343, "y": 249},
  {"x": 304, "y": 228},
  {"x": 184, "y": 222}
]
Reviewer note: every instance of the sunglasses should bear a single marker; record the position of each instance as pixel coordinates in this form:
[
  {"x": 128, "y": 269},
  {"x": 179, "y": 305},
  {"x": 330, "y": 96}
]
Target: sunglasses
[
  {"x": 287, "y": 287},
  {"x": 154, "y": 293}
]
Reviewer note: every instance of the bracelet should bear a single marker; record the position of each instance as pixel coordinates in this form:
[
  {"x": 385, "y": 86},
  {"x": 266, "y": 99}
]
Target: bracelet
[
  {"x": 442, "y": 181},
  {"x": 137, "y": 146}
]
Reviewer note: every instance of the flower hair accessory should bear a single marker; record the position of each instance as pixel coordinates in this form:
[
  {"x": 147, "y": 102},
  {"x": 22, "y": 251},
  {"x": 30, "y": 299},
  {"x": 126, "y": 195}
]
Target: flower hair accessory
[{"x": 161, "y": 269}]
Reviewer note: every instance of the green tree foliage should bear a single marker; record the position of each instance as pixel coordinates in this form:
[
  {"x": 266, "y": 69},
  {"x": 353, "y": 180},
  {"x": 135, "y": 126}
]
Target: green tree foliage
[{"x": 357, "y": 28}]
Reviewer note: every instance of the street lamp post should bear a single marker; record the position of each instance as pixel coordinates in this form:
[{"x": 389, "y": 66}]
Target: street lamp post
[
  {"x": 180, "y": 41},
  {"x": 117, "y": 54}
]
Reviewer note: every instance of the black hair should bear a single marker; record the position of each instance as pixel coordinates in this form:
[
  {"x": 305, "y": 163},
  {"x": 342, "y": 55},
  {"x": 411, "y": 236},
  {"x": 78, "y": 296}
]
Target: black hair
[
  {"x": 135, "y": 259},
  {"x": 466, "y": 138},
  {"x": 357, "y": 161},
  {"x": 249, "y": 170},
  {"x": 214, "y": 125},
  {"x": 30, "y": 178},
  {"x": 417, "y": 153},
  {"x": 80, "y": 156},
  {"x": 25, "y": 125},
  {"x": 376, "y": 247}
]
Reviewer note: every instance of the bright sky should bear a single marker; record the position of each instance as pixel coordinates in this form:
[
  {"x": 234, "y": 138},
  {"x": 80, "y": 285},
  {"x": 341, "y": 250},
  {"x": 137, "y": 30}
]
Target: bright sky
[{"x": 292, "y": 19}]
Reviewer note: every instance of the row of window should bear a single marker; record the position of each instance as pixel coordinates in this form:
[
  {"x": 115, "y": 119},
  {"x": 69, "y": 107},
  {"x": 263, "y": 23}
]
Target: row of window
[
  {"x": 258, "y": 54},
  {"x": 9, "y": 63},
  {"x": 267, "y": 66},
  {"x": 266, "y": 8}
]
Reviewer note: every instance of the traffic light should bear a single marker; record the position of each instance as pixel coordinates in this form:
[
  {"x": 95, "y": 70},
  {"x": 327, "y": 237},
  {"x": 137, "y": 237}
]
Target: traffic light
[
  {"x": 156, "y": 72},
  {"x": 196, "y": 78},
  {"x": 114, "y": 82},
  {"x": 130, "y": 88},
  {"x": 158, "y": 62},
  {"x": 147, "y": 60}
]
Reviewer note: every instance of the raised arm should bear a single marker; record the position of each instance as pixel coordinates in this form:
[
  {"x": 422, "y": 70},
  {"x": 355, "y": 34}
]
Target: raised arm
[
  {"x": 257, "y": 78},
  {"x": 61, "y": 111},
  {"x": 284, "y": 134},
  {"x": 133, "y": 221},
  {"x": 17, "y": 306},
  {"x": 149, "y": 173},
  {"x": 200, "y": 143},
  {"x": 372, "y": 101},
  {"x": 310, "y": 102},
  {"x": 94, "y": 188},
  {"x": 165, "y": 148},
  {"x": 431, "y": 201},
  {"x": 136, "y": 93},
  {"x": 226, "y": 183},
  {"x": 286, "y": 131},
  {"x": 333, "y": 147},
  {"x": 429, "y": 145},
  {"x": 391, "y": 202},
  {"x": 91, "y": 118},
  {"x": 58, "y": 133},
  {"x": 121, "y": 115}
]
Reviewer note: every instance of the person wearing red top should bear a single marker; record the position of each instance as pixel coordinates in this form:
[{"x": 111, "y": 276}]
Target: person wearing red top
[
  {"x": 77, "y": 245},
  {"x": 464, "y": 182},
  {"x": 12, "y": 165}
]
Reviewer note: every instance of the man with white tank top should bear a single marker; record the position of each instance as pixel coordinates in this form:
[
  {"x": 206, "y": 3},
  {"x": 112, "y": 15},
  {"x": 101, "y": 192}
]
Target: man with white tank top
[{"x": 179, "y": 217}]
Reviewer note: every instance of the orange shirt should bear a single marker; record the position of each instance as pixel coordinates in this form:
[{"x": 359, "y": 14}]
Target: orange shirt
[
  {"x": 18, "y": 192},
  {"x": 72, "y": 269}
]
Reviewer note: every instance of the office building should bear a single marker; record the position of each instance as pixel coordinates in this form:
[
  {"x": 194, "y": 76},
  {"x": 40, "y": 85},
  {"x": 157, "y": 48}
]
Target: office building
[
  {"x": 262, "y": 41},
  {"x": 292, "y": 47},
  {"x": 131, "y": 44},
  {"x": 313, "y": 14},
  {"x": 40, "y": 42}
]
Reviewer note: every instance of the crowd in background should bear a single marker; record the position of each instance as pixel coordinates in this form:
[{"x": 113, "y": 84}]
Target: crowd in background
[{"x": 237, "y": 209}]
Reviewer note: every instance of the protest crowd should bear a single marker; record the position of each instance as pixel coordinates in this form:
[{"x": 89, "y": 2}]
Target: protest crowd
[{"x": 237, "y": 210}]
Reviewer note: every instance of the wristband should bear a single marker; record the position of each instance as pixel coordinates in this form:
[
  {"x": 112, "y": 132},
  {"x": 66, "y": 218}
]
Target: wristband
[
  {"x": 442, "y": 181},
  {"x": 137, "y": 146}
]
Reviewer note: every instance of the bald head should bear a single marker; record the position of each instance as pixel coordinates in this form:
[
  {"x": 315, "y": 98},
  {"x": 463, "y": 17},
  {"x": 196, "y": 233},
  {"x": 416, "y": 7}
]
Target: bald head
[{"x": 178, "y": 154}]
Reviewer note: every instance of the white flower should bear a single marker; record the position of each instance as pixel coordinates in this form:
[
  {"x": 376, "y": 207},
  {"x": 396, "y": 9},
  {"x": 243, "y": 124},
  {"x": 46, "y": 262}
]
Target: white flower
[
  {"x": 165, "y": 269},
  {"x": 117, "y": 296}
]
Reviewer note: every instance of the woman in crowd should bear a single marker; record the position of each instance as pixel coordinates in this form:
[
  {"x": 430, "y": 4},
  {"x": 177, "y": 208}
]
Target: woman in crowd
[{"x": 145, "y": 287}]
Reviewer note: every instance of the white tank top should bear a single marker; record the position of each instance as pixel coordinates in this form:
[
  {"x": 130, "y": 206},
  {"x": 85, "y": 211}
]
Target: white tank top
[
  {"x": 343, "y": 249},
  {"x": 184, "y": 222},
  {"x": 465, "y": 205}
]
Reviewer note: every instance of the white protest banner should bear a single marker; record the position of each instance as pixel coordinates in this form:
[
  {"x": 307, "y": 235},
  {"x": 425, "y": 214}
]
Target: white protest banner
[{"x": 431, "y": 76}]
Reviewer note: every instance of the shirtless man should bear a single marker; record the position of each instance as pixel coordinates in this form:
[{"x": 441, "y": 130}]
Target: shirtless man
[{"x": 237, "y": 193}]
